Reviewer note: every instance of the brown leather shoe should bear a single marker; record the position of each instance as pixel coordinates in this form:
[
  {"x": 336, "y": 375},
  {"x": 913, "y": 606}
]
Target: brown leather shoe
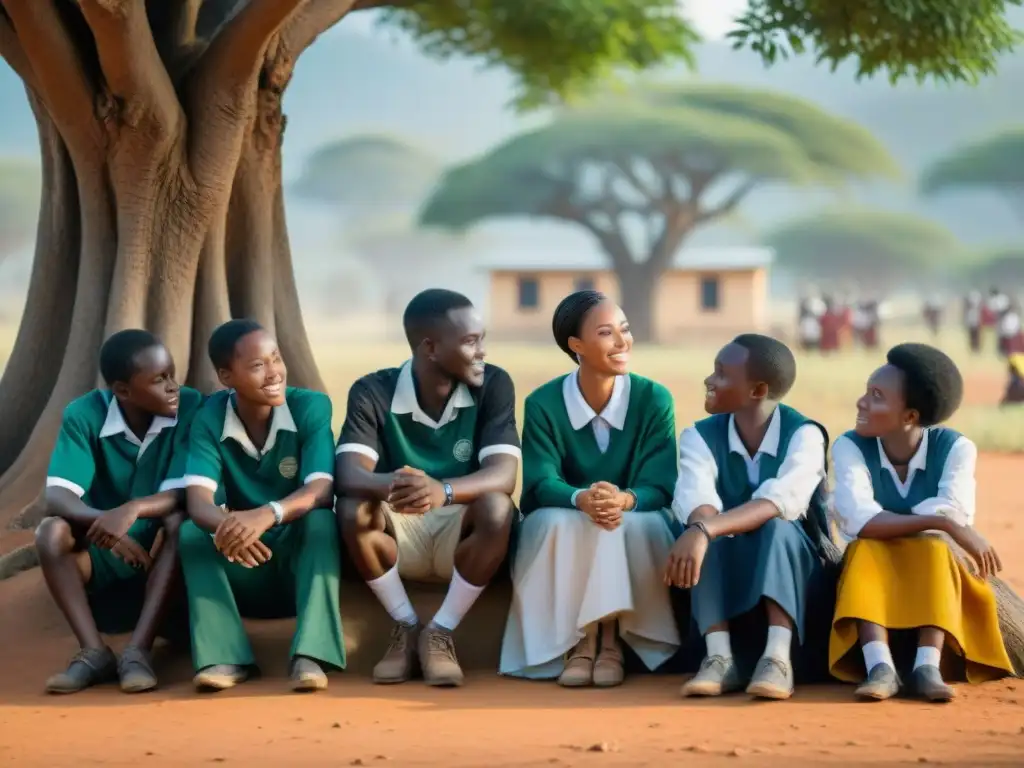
[
  {"x": 400, "y": 657},
  {"x": 608, "y": 670},
  {"x": 307, "y": 675},
  {"x": 438, "y": 659},
  {"x": 220, "y": 677},
  {"x": 579, "y": 666},
  {"x": 135, "y": 670}
]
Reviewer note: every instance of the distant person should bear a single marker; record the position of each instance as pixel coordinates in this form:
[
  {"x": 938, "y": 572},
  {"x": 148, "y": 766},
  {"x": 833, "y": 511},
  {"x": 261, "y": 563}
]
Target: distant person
[
  {"x": 973, "y": 321},
  {"x": 809, "y": 330},
  {"x": 832, "y": 324},
  {"x": 748, "y": 475},
  {"x": 872, "y": 324},
  {"x": 933, "y": 314},
  {"x": 426, "y": 466},
  {"x": 599, "y": 460},
  {"x": 1009, "y": 330},
  {"x": 1015, "y": 385},
  {"x": 900, "y": 475},
  {"x": 114, "y": 500},
  {"x": 262, "y": 541}
]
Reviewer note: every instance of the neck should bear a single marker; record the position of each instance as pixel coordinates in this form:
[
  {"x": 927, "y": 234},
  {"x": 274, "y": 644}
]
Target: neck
[
  {"x": 596, "y": 388},
  {"x": 255, "y": 417},
  {"x": 752, "y": 423},
  {"x": 433, "y": 388},
  {"x": 138, "y": 421},
  {"x": 900, "y": 446}
]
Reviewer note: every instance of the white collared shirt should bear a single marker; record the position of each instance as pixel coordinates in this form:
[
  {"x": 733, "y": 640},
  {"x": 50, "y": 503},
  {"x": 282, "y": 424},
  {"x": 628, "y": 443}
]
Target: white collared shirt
[
  {"x": 801, "y": 471},
  {"x": 612, "y": 416},
  {"x": 853, "y": 501},
  {"x": 405, "y": 400}
]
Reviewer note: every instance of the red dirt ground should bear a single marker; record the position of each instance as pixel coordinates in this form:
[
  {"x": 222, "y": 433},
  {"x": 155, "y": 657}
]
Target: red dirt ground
[{"x": 490, "y": 722}]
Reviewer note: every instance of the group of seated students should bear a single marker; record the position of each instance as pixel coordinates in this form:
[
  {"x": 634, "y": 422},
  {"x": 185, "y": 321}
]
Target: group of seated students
[{"x": 245, "y": 495}]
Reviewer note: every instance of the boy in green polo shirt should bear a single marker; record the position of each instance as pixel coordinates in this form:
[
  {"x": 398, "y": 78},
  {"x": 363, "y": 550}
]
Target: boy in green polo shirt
[
  {"x": 115, "y": 482},
  {"x": 426, "y": 466},
  {"x": 262, "y": 541}
]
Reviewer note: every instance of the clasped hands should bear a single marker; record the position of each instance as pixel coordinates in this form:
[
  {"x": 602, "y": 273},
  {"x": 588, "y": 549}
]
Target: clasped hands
[
  {"x": 110, "y": 531},
  {"x": 238, "y": 536},
  {"x": 414, "y": 492},
  {"x": 604, "y": 504}
]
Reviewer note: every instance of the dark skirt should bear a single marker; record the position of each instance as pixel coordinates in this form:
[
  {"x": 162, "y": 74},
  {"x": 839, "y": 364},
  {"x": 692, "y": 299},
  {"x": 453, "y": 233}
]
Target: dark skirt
[{"x": 777, "y": 561}]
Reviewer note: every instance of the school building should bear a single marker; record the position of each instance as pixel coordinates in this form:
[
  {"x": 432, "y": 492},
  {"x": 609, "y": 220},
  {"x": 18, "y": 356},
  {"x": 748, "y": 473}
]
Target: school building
[{"x": 712, "y": 290}]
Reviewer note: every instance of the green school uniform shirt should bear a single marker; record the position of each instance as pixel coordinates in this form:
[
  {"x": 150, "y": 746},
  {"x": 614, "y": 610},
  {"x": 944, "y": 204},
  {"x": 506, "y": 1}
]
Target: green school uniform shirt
[
  {"x": 102, "y": 461},
  {"x": 385, "y": 422},
  {"x": 299, "y": 449},
  {"x": 561, "y": 454}
]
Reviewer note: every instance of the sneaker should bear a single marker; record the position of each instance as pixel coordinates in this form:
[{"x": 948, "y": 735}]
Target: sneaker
[
  {"x": 926, "y": 682},
  {"x": 717, "y": 675},
  {"x": 881, "y": 683},
  {"x": 307, "y": 675},
  {"x": 608, "y": 670},
  {"x": 579, "y": 665},
  {"x": 135, "y": 670},
  {"x": 398, "y": 661},
  {"x": 437, "y": 657},
  {"x": 88, "y": 667},
  {"x": 773, "y": 679},
  {"x": 220, "y": 677}
]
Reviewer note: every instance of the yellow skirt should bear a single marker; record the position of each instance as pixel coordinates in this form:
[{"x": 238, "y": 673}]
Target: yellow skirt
[{"x": 910, "y": 583}]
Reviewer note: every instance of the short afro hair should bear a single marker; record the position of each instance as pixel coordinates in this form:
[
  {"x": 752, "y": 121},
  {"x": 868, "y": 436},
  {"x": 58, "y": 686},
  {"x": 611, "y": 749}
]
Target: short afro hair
[
  {"x": 932, "y": 384},
  {"x": 569, "y": 316},
  {"x": 427, "y": 309},
  {"x": 224, "y": 339},
  {"x": 769, "y": 361},
  {"x": 117, "y": 355}
]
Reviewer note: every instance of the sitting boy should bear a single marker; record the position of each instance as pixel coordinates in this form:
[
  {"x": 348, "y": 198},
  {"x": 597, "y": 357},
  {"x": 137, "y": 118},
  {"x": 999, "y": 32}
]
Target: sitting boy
[
  {"x": 426, "y": 466},
  {"x": 262, "y": 541},
  {"x": 115, "y": 482},
  {"x": 747, "y": 475}
]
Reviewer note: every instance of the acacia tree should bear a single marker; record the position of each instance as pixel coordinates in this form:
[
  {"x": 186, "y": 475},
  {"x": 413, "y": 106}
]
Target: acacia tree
[
  {"x": 670, "y": 161},
  {"x": 160, "y": 129},
  {"x": 1000, "y": 266},
  {"x": 877, "y": 250},
  {"x": 994, "y": 164}
]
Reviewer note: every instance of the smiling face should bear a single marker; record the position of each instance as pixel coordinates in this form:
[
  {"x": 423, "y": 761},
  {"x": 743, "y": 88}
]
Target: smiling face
[
  {"x": 257, "y": 372},
  {"x": 457, "y": 346},
  {"x": 882, "y": 409},
  {"x": 729, "y": 389},
  {"x": 605, "y": 342},
  {"x": 152, "y": 387}
]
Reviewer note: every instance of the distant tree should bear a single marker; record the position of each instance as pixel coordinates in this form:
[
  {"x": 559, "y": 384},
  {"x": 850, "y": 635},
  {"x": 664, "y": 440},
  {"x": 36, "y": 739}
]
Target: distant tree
[
  {"x": 369, "y": 172},
  {"x": 671, "y": 159},
  {"x": 19, "y": 202},
  {"x": 995, "y": 164},
  {"x": 1000, "y": 266},
  {"x": 876, "y": 250}
]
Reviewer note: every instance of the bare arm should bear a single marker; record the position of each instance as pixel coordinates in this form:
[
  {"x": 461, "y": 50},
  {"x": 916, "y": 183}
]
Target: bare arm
[
  {"x": 744, "y": 518},
  {"x": 315, "y": 494},
  {"x": 66, "y": 504},
  {"x": 497, "y": 474},
  {"x": 888, "y": 525},
  {"x": 201, "y": 508},
  {"x": 355, "y": 477}
]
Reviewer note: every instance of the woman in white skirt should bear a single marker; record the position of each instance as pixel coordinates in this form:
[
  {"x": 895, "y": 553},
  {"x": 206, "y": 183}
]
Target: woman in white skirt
[{"x": 599, "y": 465}]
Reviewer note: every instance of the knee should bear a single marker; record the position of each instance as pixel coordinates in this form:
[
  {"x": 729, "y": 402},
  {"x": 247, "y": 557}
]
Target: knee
[
  {"x": 356, "y": 517},
  {"x": 553, "y": 521},
  {"x": 54, "y": 537},
  {"x": 493, "y": 514}
]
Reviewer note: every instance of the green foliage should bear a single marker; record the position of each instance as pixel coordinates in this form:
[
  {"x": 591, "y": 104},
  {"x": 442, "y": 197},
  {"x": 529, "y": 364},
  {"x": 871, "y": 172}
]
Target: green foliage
[
  {"x": 741, "y": 134},
  {"x": 995, "y": 163},
  {"x": 19, "y": 202},
  {"x": 999, "y": 266},
  {"x": 947, "y": 40},
  {"x": 878, "y": 249},
  {"x": 369, "y": 171}
]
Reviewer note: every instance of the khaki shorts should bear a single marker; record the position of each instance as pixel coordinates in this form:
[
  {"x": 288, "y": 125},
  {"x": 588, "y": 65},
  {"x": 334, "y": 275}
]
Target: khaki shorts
[{"x": 427, "y": 543}]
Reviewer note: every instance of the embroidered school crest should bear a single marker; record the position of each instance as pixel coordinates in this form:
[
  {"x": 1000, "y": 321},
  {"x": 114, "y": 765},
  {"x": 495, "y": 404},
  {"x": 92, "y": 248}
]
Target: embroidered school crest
[
  {"x": 289, "y": 467},
  {"x": 463, "y": 450}
]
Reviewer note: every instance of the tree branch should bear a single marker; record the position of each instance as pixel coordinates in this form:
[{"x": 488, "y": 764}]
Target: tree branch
[
  {"x": 132, "y": 67},
  {"x": 315, "y": 18},
  {"x": 13, "y": 53},
  {"x": 60, "y": 77},
  {"x": 729, "y": 204}
]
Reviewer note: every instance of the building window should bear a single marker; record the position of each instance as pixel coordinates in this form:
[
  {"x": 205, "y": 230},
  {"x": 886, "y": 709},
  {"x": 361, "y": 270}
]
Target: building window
[
  {"x": 529, "y": 293},
  {"x": 709, "y": 294},
  {"x": 584, "y": 283}
]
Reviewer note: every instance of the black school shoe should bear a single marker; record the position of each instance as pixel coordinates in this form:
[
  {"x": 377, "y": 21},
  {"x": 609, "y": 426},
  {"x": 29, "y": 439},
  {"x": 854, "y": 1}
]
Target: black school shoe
[
  {"x": 926, "y": 683},
  {"x": 88, "y": 667},
  {"x": 135, "y": 670},
  {"x": 882, "y": 683}
]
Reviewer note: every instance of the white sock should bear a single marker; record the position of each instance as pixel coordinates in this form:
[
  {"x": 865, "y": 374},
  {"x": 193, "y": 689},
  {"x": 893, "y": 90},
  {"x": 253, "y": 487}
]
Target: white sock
[
  {"x": 779, "y": 641},
  {"x": 391, "y": 593},
  {"x": 876, "y": 652},
  {"x": 460, "y": 598},
  {"x": 718, "y": 644},
  {"x": 927, "y": 656}
]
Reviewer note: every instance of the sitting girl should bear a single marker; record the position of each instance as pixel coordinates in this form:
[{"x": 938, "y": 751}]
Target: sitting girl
[
  {"x": 599, "y": 465},
  {"x": 898, "y": 476}
]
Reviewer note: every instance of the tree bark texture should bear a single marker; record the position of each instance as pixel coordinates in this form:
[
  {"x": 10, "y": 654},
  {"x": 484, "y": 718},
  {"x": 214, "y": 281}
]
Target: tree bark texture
[{"x": 160, "y": 130}]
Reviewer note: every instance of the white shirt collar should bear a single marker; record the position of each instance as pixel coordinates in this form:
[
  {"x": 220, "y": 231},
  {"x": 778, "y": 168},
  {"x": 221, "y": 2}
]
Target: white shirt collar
[
  {"x": 769, "y": 443},
  {"x": 280, "y": 420},
  {"x": 115, "y": 424},
  {"x": 581, "y": 414},
  {"x": 919, "y": 461},
  {"x": 405, "y": 401}
]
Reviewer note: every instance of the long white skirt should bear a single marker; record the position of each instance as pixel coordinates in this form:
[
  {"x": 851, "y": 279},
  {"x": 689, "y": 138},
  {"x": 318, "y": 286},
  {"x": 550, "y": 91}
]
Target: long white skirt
[{"x": 568, "y": 573}]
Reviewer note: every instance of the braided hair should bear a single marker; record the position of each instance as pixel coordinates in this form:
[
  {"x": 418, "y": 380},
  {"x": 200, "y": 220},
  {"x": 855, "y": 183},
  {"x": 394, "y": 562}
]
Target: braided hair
[{"x": 569, "y": 316}]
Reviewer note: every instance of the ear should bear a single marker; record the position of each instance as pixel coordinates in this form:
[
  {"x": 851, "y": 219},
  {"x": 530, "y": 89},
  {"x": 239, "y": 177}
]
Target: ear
[
  {"x": 759, "y": 392},
  {"x": 576, "y": 346},
  {"x": 428, "y": 348},
  {"x": 120, "y": 390},
  {"x": 911, "y": 418},
  {"x": 224, "y": 376}
]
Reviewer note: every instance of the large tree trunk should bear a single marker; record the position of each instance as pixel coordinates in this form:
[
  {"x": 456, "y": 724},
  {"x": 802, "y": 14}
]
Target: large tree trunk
[
  {"x": 638, "y": 290},
  {"x": 162, "y": 204}
]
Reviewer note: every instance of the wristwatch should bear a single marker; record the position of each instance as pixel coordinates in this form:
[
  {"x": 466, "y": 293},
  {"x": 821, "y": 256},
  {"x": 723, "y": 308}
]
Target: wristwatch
[
  {"x": 449, "y": 494},
  {"x": 278, "y": 512}
]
